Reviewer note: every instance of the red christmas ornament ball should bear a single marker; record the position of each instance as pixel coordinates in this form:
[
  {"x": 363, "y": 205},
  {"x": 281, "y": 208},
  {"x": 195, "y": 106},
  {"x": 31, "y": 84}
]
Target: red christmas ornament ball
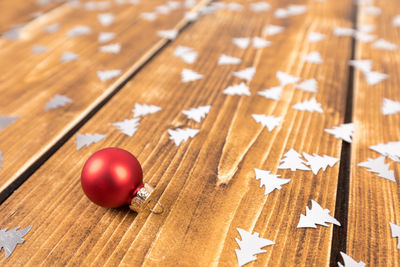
[{"x": 111, "y": 177}]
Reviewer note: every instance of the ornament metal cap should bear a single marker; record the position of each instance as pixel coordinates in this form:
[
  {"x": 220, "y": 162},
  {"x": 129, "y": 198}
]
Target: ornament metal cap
[{"x": 143, "y": 200}]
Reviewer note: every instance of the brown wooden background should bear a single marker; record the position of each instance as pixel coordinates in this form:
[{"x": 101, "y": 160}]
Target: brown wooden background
[{"x": 207, "y": 183}]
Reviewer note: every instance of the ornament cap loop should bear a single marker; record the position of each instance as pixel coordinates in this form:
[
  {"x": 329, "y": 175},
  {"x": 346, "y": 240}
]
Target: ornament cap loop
[{"x": 142, "y": 199}]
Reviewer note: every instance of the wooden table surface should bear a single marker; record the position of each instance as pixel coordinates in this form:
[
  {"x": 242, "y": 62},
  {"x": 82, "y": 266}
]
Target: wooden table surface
[{"x": 207, "y": 183}]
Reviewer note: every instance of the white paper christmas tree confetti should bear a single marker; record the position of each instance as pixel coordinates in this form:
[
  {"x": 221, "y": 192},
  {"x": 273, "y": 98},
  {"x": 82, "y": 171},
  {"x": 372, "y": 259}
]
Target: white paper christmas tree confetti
[
  {"x": 187, "y": 54},
  {"x": 190, "y": 76},
  {"x": 168, "y": 34},
  {"x": 260, "y": 6},
  {"x": 97, "y": 5},
  {"x": 391, "y": 150},
  {"x": 182, "y": 135},
  {"x": 309, "y": 105},
  {"x": 297, "y": 9},
  {"x": 250, "y": 245},
  {"x": 105, "y": 75},
  {"x": 350, "y": 262},
  {"x": 6, "y": 120},
  {"x": 316, "y": 215},
  {"x": 87, "y": 139},
  {"x": 128, "y": 126},
  {"x": 343, "y": 31},
  {"x": 267, "y": 121},
  {"x": 227, "y": 60},
  {"x": 378, "y": 166},
  {"x": 273, "y": 29},
  {"x": 395, "y": 232},
  {"x": 396, "y": 21},
  {"x": 285, "y": 79},
  {"x": 10, "y": 239},
  {"x": 238, "y": 89},
  {"x": 344, "y": 131},
  {"x": 163, "y": 9},
  {"x": 364, "y": 37},
  {"x": 309, "y": 85},
  {"x": 242, "y": 43},
  {"x": 259, "y": 42},
  {"x": 68, "y": 57},
  {"x": 317, "y": 162},
  {"x": 246, "y": 74},
  {"x": 367, "y": 28},
  {"x": 384, "y": 45},
  {"x": 52, "y": 28},
  {"x": 106, "y": 19},
  {"x": 313, "y": 57},
  {"x": 198, "y": 113},
  {"x": 1, "y": 158},
  {"x": 281, "y": 13},
  {"x": 13, "y": 33},
  {"x": 57, "y": 101},
  {"x": 272, "y": 93},
  {"x": 364, "y": 65},
  {"x": 292, "y": 160},
  {"x": 314, "y": 37},
  {"x": 39, "y": 49},
  {"x": 191, "y": 16},
  {"x": 105, "y": 37},
  {"x": 234, "y": 7},
  {"x": 79, "y": 30},
  {"x": 149, "y": 16},
  {"x": 143, "y": 110},
  {"x": 372, "y": 10},
  {"x": 173, "y": 5},
  {"x": 111, "y": 48},
  {"x": 390, "y": 107},
  {"x": 270, "y": 181},
  {"x": 131, "y": 2},
  {"x": 374, "y": 77}
]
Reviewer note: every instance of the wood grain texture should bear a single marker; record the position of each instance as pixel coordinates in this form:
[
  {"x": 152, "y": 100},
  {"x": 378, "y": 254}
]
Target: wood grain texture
[
  {"x": 374, "y": 201},
  {"x": 33, "y": 79},
  {"x": 207, "y": 183}
]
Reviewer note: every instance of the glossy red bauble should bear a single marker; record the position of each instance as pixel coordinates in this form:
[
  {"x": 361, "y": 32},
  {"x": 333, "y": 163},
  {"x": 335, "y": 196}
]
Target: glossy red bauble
[{"x": 111, "y": 177}]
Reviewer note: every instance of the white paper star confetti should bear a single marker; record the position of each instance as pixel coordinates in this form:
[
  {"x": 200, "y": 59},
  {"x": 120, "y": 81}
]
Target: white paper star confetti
[
  {"x": 52, "y": 28},
  {"x": 185, "y": 53},
  {"x": 267, "y": 121},
  {"x": 105, "y": 75},
  {"x": 250, "y": 245},
  {"x": 190, "y": 76},
  {"x": 344, "y": 131},
  {"x": 384, "y": 45},
  {"x": 259, "y": 42},
  {"x": 242, "y": 43},
  {"x": 106, "y": 19},
  {"x": 309, "y": 85},
  {"x": 285, "y": 79},
  {"x": 260, "y": 6},
  {"x": 378, "y": 166},
  {"x": 6, "y": 120},
  {"x": 238, "y": 89},
  {"x": 396, "y": 21},
  {"x": 246, "y": 74},
  {"x": 198, "y": 113},
  {"x": 57, "y": 101},
  {"x": 68, "y": 56},
  {"x": 350, "y": 262},
  {"x": 182, "y": 135},
  {"x": 87, "y": 139},
  {"x": 391, "y": 150},
  {"x": 39, "y": 49},
  {"x": 374, "y": 77},
  {"x": 317, "y": 162},
  {"x": 343, "y": 31},
  {"x": 309, "y": 105},
  {"x": 316, "y": 215},
  {"x": 314, "y": 37},
  {"x": 227, "y": 60},
  {"x": 273, "y": 93},
  {"x": 168, "y": 34},
  {"x": 10, "y": 239},
  {"x": 270, "y": 181},
  {"x": 390, "y": 107},
  {"x": 364, "y": 65},
  {"x": 143, "y": 110},
  {"x": 128, "y": 126},
  {"x": 79, "y": 30},
  {"x": 111, "y": 48},
  {"x": 273, "y": 29},
  {"x": 313, "y": 57},
  {"x": 105, "y": 37},
  {"x": 395, "y": 232},
  {"x": 292, "y": 160}
]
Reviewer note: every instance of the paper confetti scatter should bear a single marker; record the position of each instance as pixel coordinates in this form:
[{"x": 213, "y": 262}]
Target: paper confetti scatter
[
  {"x": 68, "y": 57},
  {"x": 309, "y": 85},
  {"x": 105, "y": 37},
  {"x": 105, "y": 75},
  {"x": 197, "y": 114},
  {"x": 57, "y": 101},
  {"x": 79, "y": 30},
  {"x": 350, "y": 262},
  {"x": 228, "y": 60},
  {"x": 242, "y": 43},
  {"x": 106, "y": 19},
  {"x": 238, "y": 89},
  {"x": 182, "y": 135},
  {"x": 87, "y": 139},
  {"x": 316, "y": 215},
  {"x": 143, "y": 110},
  {"x": 11, "y": 238},
  {"x": 128, "y": 126},
  {"x": 273, "y": 93},
  {"x": 390, "y": 107},
  {"x": 285, "y": 78},
  {"x": 269, "y": 181},
  {"x": 190, "y": 76},
  {"x": 246, "y": 74},
  {"x": 391, "y": 150},
  {"x": 384, "y": 45},
  {"x": 273, "y": 29},
  {"x": 6, "y": 120},
  {"x": 309, "y": 105},
  {"x": 111, "y": 48},
  {"x": 395, "y": 232},
  {"x": 317, "y": 162},
  {"x": 378, "y": 166},
  {"x": 267, "y": 121},
  {"x": 260, "y": 6},
  {"x": 314, "y": 37},
  {"x": 39, "y": 49},
  {"x": 259, "y": 42},
  {"x": 292, "y": 160},
  {"x": 344, "y": 131},
  {"x": 185, "y": 53},
  {"x": 313, "y": 57},
  {"x": 168, "y": 34}
]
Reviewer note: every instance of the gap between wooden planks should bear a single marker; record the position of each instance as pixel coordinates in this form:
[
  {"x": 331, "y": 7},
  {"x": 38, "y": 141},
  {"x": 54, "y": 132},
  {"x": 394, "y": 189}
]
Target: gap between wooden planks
[
  {"x": 32, "y": 80},
  {"x": 199, "y": 227},
  {"x": 374, "y": 201}
]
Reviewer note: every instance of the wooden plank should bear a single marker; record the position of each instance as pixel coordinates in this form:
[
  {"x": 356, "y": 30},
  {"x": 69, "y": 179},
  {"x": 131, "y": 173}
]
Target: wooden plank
[
  {"x": 207, "y": 183},
  {"x": 29, "y": 83},
  {"x": 374, "y": 202}
]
